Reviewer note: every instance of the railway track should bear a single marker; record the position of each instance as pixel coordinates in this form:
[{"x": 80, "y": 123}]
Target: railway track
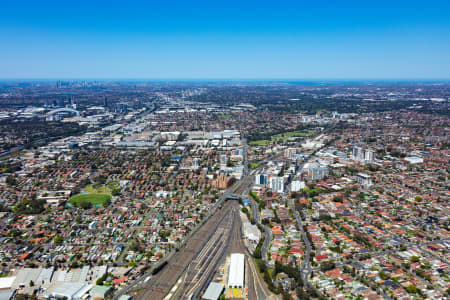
[
  {"x": 160, "y": 284},
  {"x": 201, "y": 269}
]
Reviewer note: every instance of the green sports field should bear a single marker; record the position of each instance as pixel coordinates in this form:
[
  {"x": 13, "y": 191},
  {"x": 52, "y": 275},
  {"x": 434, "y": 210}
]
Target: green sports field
[
  {"x": 94, "y": 195},
  {"x": 94, "y": 199}
]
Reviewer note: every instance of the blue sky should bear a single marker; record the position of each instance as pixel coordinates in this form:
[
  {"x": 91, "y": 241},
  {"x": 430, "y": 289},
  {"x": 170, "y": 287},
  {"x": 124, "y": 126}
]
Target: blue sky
[{"x": 225, "y": 39}]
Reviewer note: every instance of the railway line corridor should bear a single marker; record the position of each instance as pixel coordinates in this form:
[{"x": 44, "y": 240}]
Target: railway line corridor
[
  {"x": 190, "y": 271},
  {"x": 161, "y": 283},
  {"x": 204, "y": 265}
]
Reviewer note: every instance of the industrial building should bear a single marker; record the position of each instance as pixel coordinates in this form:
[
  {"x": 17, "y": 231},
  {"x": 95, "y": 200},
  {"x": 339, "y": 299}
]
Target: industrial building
[
  {"x": 213, "y": 292},
  {"x": 236, "y": 271}
]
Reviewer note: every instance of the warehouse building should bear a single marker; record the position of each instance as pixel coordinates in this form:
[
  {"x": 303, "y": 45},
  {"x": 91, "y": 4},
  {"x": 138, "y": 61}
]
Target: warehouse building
[
  {"x": 213, "y": 292},
  {"x": 236, "y": 271}
]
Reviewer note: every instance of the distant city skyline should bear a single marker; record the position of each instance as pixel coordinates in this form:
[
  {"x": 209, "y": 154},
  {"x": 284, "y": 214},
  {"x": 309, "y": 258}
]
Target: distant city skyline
[{"x": 252, "y": 40}]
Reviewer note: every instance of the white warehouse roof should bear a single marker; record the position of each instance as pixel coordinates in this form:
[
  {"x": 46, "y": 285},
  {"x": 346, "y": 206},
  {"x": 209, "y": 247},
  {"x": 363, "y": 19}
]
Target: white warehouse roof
[
  {"x": 70, "y": 290},
  {"x": 6, "y": 282},
  {"x": 213, "y": 291},
  {"x": 236, "y": 273}
]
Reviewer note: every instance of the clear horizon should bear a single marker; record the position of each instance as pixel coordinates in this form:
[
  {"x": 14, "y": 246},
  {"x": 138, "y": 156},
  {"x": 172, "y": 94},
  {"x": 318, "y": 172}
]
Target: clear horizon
[
  {"x": 280, "y": 80},
  {"x": 252, "y": 40}
]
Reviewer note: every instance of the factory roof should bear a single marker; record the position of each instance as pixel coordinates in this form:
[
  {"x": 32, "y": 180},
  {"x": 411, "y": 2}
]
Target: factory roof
[{"x": 213, "y": 291}]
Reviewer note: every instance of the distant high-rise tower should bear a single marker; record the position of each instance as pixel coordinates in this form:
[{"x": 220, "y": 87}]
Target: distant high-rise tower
[
  {"x": 105, "y": 102},
  {"x": 223, "y": 160},
  {"x": 363, "y": 155},
  {"x": 369, "y": 155},
  {"x": 357, "y": 153},
  {"x": 73, "y": 103},
  {"x": 276, "y": 184},
  {"x": 261, "y": 179},
  {"x": 123, "y": 108}
]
